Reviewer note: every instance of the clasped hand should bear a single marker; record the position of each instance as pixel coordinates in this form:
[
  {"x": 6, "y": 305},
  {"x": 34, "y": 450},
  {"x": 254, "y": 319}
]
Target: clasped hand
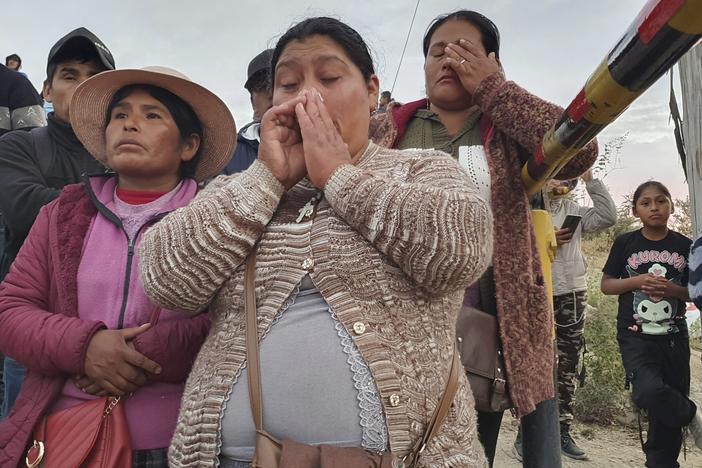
[
  {"x": 112, "y": 365},
  {"x": 656, "y": 287},
  {"x": 299, "y": 138}
]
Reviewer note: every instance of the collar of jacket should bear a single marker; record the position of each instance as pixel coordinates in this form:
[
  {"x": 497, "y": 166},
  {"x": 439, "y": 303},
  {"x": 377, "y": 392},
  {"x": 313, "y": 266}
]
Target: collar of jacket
[
  {"x": 62, "y": 133},
  {"x": 94, "y": 187}
]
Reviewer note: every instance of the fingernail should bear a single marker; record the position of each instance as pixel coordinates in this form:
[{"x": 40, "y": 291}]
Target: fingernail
[{"x": 158, "y": 370}]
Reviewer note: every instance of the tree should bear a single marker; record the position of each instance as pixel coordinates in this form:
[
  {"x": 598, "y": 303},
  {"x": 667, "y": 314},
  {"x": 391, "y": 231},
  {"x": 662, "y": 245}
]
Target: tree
[{"x": 681, "y": 219}]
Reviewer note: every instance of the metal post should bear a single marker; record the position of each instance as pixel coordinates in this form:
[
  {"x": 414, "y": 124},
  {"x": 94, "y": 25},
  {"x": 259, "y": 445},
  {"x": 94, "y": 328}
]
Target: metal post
[{"x": 691, "y": 84}]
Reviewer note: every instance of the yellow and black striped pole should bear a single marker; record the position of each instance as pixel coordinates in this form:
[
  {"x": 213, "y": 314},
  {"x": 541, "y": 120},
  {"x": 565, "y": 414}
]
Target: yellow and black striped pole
[{"x": 662, "y": 33}]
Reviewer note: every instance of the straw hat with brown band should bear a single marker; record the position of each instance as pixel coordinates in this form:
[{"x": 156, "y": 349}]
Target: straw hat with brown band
[{"x": 91, "y": 99}]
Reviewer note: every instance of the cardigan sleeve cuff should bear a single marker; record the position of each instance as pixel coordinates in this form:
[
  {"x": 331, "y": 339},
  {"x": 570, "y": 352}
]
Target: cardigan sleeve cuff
[
  {"x": 96, "y": 327},
  {"x": 259, "y": 175},
  {"x": 488, "y": 88},
  {"x": 340, "y": 186}
]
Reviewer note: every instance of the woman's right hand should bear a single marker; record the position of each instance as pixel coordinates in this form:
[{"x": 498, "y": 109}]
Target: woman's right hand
[
  {"x": 115, "y": 366},
  {"x": 281, "y": 143}
]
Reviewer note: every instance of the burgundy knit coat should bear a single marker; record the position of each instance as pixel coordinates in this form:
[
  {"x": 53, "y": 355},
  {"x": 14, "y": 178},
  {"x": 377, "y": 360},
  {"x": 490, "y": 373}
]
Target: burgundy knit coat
[{"x": 513, "y": 126}]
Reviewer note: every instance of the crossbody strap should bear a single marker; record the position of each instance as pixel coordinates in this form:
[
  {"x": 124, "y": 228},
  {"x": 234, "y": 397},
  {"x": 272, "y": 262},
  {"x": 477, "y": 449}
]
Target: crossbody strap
[
  {"x": 440, "y": 413},
  {"x": 253, "y": 361},
  {"x": 254, "y": 370}
]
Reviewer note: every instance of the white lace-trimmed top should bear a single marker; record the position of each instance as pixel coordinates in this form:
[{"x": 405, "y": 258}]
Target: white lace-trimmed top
[
  {"x": 316, "y": 386},
  {"x": 474, "y": 160}
]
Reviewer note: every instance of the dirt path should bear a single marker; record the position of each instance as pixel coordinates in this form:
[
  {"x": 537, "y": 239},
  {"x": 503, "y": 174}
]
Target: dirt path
[{"x": 606, "y": 446}]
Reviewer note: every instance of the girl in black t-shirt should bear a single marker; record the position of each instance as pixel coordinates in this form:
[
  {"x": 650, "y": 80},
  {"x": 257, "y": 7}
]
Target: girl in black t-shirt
[{"x": 647, "y": 269}]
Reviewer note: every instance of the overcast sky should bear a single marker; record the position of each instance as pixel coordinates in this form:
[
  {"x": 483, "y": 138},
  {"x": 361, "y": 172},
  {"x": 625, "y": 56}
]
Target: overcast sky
[{"x": 550, "y": 47}]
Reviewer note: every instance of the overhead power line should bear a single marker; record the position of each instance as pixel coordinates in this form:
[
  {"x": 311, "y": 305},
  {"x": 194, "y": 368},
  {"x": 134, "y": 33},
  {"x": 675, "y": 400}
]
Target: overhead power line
[{"x": 399, "y": 65}]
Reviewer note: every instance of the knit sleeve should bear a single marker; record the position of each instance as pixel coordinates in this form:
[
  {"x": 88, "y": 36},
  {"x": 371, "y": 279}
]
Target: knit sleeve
[
  {"x": 603, "y": 212},
  {"x": 526, "y": 118},
  {"x": 186, "y": 257},
  {"x": 433, "y": 225}
]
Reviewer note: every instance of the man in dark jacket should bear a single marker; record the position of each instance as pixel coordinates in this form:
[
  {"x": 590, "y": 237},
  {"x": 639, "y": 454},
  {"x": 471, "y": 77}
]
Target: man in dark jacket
[
  {"x": 20, "y": 105},
  {"x": 260, "y": 88},
  {"x": 36, "y": 165},
  {"x": 20, "y": 109}
]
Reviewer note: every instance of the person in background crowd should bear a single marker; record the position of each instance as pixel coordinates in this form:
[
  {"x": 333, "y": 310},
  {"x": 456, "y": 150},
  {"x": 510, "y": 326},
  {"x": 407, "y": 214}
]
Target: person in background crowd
[
  {"x": 362, "y": 255},
  {"x": 570, "y": 290},
  {"x": 385, "y": 99},
  {"x": 694, "y": 284},
  {"x": 20, "y": 105},
  {"x": 648, "y": 270},
  {"x": 20, "y": 109},
  {"x": 491, "y": 126},
  {"x": 36, "y": 165},
  {"x": 260, "y": 89},
  {"x": 100, "y": 335},
  {"x": 13, "y": 62}
]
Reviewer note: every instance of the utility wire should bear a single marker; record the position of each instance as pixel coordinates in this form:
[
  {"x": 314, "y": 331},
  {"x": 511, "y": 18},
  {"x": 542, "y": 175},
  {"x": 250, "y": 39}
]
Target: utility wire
[{"x": 392, "y": 90}]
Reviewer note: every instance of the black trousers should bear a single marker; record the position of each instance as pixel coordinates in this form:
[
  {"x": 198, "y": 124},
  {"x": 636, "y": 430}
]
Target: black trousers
[
  {"x": 488, "y": 431},
  {"x": 659, "y": 372},
  {"x": 541, "y": 445}
]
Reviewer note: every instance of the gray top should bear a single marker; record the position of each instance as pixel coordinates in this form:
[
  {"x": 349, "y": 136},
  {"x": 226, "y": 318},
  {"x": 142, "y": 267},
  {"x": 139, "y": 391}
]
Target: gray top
[
  {"x": 316, "y": 387},
  {"x": 569, "y": 267}
]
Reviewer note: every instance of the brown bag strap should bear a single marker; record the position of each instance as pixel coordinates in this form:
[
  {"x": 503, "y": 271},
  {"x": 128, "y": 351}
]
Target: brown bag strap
[
  {"x": 440, "y": 413},
  {"x": 252, "y": 348},
  {"x": 254, "y": 369}
]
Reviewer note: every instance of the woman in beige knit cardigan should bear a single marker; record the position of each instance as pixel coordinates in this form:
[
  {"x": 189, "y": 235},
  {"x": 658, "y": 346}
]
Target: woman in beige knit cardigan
[{"x": 363, "y": 254}]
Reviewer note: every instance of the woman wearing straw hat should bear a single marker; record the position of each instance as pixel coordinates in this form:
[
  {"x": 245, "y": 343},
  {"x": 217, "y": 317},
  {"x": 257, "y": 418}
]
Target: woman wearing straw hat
[{"x": 72, "y": 308}]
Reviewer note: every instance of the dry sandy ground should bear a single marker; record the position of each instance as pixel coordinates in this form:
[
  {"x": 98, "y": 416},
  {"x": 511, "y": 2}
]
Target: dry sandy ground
[{"x": 606, "y": 447}]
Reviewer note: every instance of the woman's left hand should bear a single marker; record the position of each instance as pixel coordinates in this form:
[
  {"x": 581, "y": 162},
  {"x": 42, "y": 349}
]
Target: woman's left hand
[
  {"x": 324, "y": 148},
  {"x": 471, "y": 64},
  {"x": 91, "y": 387}
]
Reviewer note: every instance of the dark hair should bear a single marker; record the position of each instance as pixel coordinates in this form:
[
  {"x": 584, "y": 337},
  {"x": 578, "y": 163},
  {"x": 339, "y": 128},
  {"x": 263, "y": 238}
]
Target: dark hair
[
  {"x": 341, "y": 33},
  {"x": 385, "y": 94},
  {"x": 651, "y": 183},
  {"x": 79, "y": 50},
  {"x": 183, "y": 115},
  {"x": 489, "y": 32},
  {"x": 13, "y": 57},
  {"x": 259, "y": 82}
]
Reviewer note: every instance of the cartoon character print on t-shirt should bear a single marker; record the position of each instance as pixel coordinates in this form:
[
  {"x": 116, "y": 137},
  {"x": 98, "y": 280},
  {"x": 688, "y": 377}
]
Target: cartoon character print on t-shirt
[{"x": 654, "y": 315}]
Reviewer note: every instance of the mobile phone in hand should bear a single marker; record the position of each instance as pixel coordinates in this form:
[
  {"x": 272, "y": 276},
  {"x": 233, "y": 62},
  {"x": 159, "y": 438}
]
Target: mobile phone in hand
[{"x": 571, "y": 222}]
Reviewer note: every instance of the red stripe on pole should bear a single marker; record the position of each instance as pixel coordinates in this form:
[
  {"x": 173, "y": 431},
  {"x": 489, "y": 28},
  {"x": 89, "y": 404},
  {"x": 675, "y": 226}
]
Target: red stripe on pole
[
  {"x": 658, "y": 17},
  {"x": 579, "y": 107},
  {"x": 539, "y": 155}
]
